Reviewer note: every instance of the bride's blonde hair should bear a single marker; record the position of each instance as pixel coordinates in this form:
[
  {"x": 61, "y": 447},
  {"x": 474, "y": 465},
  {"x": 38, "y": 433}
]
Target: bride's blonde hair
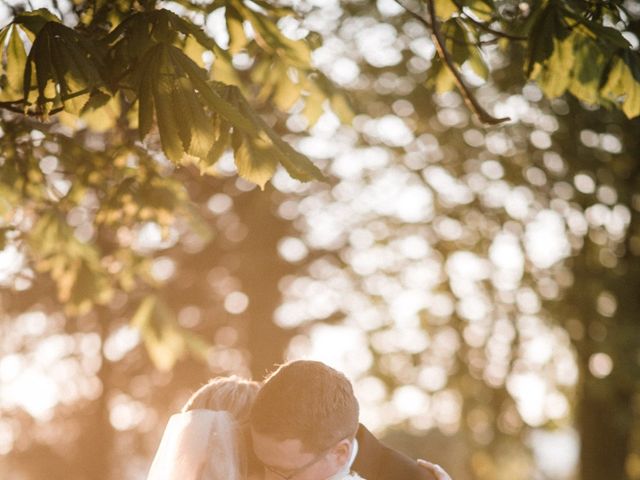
[
  {"x": 231, "y": 394},
  {"x": 234, "y": 395}
]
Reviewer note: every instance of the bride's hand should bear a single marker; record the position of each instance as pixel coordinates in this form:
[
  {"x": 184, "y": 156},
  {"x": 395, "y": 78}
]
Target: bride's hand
[{"x": 437, "y": 470}]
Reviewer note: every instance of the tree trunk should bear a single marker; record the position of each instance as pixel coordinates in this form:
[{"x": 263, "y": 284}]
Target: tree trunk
[
  {"x": 261, "y": 271},
  {"x": 94, "y": 448},
  {"x": 604, "y": 421},
  {"x": 605, "y": 413}
]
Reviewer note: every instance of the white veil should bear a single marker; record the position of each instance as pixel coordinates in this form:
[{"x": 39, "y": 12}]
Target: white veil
[{"x": 198, "y": 445}]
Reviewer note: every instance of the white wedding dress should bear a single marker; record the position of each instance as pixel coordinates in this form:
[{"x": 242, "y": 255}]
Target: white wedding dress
[{"x": 198, "y": 445}]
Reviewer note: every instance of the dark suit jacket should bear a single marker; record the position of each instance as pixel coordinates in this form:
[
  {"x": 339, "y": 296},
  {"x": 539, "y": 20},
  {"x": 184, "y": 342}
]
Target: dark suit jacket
[{"x": 376, "y": 461}]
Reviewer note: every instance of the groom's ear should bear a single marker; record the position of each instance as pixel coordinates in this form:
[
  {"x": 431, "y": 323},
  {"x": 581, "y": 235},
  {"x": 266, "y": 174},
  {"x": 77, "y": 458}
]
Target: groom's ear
[{"x": 342, "y": 451}]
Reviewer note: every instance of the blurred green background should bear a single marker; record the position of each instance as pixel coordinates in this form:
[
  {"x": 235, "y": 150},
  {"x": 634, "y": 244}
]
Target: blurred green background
[{"x": 479, "y": 284}]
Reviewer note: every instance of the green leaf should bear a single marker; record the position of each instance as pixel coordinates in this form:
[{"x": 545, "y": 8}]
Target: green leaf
[
  {"x": 40, "y": 54},
  {"x": 271, "y": 39},
  {"x": 158, "y": 329},
  {"x": 74, "y": 266},
  {"x": 145, "y": 94},
  {"x": 220, "y": 145},
  {"x": 34, "y": 21},
  {"x": 68, "y": 79},
  {"x": 197, "y": 346},
  {"x": 16, "y": 60},
  {"x": 623, "y": 83},
  {"x": 194, "y": 50},
  {"x": 254, "y": 164},
  {"x": 237, "y": 37},
  {"x": 286, "y": 92},
  {"x": 554, "y": 74},
  {"x": 3, "y": 34},
  {"x": 162, "y": 88},
  {"x": 85, "y": 60},
  {"x": 339, "y": 101},
  {"x": 342, "y": 107},
  {"x": 442, "y": 80},
  {"x": 609, "y": 37},
  {"x": 188, "y": 28},
  {"x": 589, "y": 66},
  {"x": 66, "y": 68},
  {"x": 483, "y": 9},
  {"x": 161, "y": 27},
  {"x": 262, "y": 73},
  {"x": 97, "y": 100},
  {"x": 215, "y": 101},
  {"x": 90, "y": 286},
  {"x": 196, "y": 128},
  {"x": 456, "y": 40},
  {"x": 313, "y": 103},
  {"x": 477, "y": 63},
  {"x": 297, "y": 165},
  {"x": 548, "y": 28},
  {"x": 223, "y": 69},
  {"x": 184, "y": 126},
  {"x": 101, "y": 111},
  {"x": 165, "y": 341},
  {"x": 445, "y": 9}
]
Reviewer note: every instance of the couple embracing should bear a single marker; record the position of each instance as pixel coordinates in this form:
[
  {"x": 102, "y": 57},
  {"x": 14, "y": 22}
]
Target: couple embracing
[{"x": 301, "y": 423}]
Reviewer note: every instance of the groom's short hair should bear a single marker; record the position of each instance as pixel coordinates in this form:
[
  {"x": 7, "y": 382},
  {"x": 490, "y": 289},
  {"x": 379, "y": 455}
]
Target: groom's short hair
[{"x": 309, "y": 401}]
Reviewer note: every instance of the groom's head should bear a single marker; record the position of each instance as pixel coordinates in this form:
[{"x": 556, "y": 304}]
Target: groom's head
[{"x": 303, "y": 421}]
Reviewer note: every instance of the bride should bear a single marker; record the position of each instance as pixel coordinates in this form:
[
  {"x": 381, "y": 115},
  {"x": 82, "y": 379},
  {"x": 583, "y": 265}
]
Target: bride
[{"x": 207, "y": 439}]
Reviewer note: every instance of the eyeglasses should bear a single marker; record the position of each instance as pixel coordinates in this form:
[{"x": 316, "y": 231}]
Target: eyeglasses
[{"x": 292, "y": 473}]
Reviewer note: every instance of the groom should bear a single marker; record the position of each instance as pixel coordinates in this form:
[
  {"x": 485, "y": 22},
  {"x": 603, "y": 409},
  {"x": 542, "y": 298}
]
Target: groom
[{"x": 304, "y": 426}]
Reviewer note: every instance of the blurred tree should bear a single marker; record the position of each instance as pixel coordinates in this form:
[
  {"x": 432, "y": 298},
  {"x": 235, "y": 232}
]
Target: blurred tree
[
  {"x": 103, "y": 394},
  {"x": 481, "y": 263},
  {"x": 121, "y": 72},
  {"x": 115, "y": 245},
  {"x": 103, "y": 204},
  {"x": 600, "y": 307}
]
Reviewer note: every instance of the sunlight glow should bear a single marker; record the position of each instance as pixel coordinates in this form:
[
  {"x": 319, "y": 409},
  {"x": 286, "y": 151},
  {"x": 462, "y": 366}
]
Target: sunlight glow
[
  {"x": 126, "y": 413},
  {"x": 12, "y": 261},
  {"x": 151, "y": 236},
  {"x": 600, "y": 365},
  {"x": 292, "y": 249},
  {"x": 236, "y": 302},
  {"x": 390, "y": 129},
  {"x": 377, "y": 45},
  {"x": 529, "y": 391},
  {"x": 410, "y": 401},
  {"x": 348, "y": 353},
  {"x": 545, "y": 239},
  {"x": 507, "y": 256},
  {"x": 121, "y": 342},
  {"x": 557, "y": 451},
  {"x": 33, "y": 390}
]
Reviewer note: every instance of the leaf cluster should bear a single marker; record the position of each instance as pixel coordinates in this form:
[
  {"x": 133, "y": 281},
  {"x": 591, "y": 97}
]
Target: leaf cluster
[
  {"x": 569, "y": 46},
  {"x": 148, "y": 73}
]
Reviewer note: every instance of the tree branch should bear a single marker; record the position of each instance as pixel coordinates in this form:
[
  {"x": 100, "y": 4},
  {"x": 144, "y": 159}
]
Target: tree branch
[
  {"x": 467, "y": 95},
  {"x": 415, "y": 15},
  {"x": 427, "y": 24},
  {"x": 13, "y": 107},
  {"x": 443, "y": 53},
  {"x": 497, "y": 33}
]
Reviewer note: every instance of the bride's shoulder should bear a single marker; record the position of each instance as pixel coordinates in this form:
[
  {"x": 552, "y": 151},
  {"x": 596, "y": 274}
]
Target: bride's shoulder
[{"x": 353, "y": 476}]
